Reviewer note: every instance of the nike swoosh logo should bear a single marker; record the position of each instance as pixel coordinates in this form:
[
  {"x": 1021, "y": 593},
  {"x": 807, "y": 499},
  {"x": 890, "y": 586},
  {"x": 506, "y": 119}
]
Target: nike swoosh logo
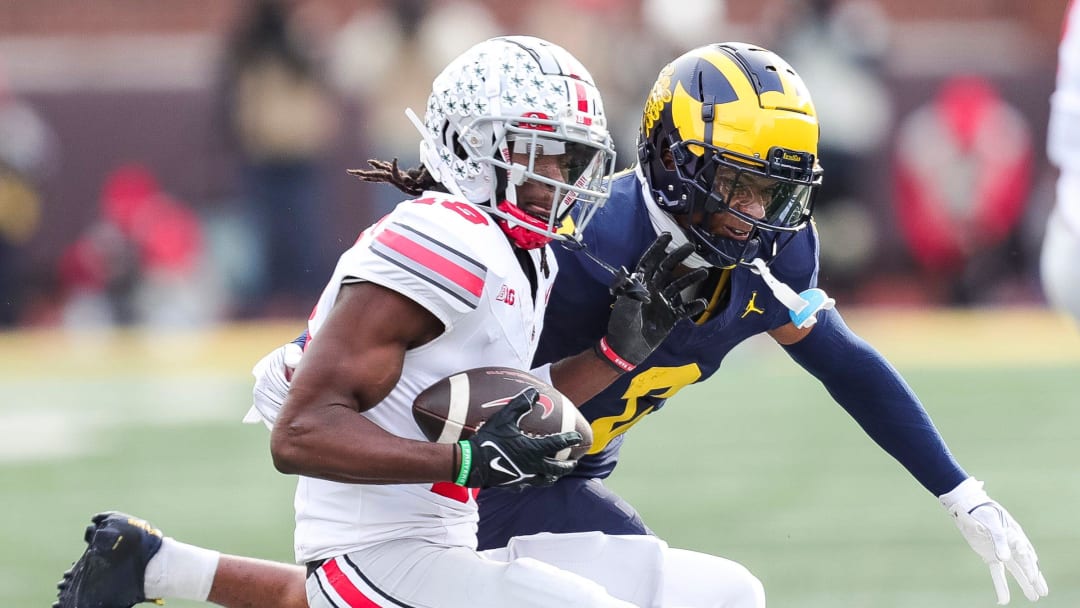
[
  {"x": 503, "y": 464},
  {"x": 496, "y": 463}
]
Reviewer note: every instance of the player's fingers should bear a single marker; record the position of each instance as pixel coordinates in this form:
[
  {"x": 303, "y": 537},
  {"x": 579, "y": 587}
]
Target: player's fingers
[
  {"x": 673, "y": 288},
  {"x": 527, "y": 396},
  {"x": 556, "y": 468},
  {"x": 518, "y": 406},
  {"x": 556, "y": 443},
  {"x": 650, "y": 260},
  {"x": 541, "y": 481},
  {"x": 292, "y": 356},
  {"x": 676, "y": 257},
  {"x": 1040, "y": 584},
  {"x": 1023, "y": 579},
  {"x": 1028, "y": 561},
  {"x": 1001, "y": 586},
  {"x": 693, "y": 309}
]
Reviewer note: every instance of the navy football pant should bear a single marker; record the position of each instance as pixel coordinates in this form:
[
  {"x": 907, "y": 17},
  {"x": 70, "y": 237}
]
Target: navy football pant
[{"x": 573, "y": 504}]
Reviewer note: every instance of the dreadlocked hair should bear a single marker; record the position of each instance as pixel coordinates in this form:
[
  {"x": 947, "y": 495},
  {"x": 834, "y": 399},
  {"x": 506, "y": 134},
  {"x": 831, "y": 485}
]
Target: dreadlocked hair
[{"x": 410, "y": 181}]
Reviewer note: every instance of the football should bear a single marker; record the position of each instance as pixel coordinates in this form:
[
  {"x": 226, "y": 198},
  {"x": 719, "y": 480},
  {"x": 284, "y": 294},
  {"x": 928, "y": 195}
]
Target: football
[{"x": 453, "y": 408}]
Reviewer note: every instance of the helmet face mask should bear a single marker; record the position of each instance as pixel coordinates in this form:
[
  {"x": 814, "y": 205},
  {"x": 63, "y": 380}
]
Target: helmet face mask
[
  {"x": 563, "y": 162},
  {"x": 516, "y": 125},
  {"x": 729, "y": 130},
  {"x": 759, "y": 199}
]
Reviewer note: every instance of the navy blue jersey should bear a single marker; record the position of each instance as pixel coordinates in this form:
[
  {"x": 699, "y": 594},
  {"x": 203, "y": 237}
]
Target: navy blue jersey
[
  {"x": 855, "y": 374},
  {"x": 580, "y": 302}
]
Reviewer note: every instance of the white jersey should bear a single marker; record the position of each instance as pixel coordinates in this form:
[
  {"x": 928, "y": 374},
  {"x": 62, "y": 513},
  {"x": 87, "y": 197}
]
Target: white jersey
[{"x": 453, "y": 259}]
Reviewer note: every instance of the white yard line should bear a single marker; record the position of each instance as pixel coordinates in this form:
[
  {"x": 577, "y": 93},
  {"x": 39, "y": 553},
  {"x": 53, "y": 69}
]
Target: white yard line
[{"x": 67, "y": 419}]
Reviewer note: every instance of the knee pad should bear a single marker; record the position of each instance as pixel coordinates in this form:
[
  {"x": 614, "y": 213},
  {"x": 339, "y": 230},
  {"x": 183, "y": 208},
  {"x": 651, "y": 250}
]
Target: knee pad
[
  {"x": 630, "y": 567},
  {"x": 531, "y": 582},
  {"x": 708, "y": 581}
]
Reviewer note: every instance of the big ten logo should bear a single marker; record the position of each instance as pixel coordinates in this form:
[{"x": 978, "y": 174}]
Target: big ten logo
[{"x": 506, "y": 295}]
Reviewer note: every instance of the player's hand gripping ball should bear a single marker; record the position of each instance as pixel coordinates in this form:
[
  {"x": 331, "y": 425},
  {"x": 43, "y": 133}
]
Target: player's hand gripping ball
[{"x": 453, "y": 408}]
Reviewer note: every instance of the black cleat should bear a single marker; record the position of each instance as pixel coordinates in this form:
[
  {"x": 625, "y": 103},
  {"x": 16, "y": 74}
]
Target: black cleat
[{"x": 110, "y": 572}]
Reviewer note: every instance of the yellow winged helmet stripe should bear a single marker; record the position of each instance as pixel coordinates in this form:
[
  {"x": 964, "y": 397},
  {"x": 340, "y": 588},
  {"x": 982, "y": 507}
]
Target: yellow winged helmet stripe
[{"x": 740, "y": 125}]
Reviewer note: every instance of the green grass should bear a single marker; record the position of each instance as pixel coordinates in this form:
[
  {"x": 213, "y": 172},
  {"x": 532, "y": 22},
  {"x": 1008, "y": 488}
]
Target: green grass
[
  {"x": 797, "y": 493},
  {"x": 787, "y": 485}
]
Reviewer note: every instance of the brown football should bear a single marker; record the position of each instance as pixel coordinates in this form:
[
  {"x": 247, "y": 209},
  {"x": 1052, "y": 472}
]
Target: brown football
[{"x": 453, "y": 408}]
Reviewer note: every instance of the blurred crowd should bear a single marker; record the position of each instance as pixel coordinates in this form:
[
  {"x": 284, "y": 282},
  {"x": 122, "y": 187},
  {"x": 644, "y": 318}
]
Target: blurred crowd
[{"x": 179, "y": 201}]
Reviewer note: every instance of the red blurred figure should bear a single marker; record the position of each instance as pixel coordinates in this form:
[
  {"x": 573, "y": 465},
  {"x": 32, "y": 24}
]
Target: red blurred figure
[
  {"x": 963, "y": 176},
  {"x": 140, "y": 262},
  {"x": 165, "y": 232}
]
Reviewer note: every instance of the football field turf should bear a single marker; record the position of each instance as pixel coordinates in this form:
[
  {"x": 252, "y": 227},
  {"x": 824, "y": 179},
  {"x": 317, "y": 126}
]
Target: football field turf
[{"x": 757, "y": 464}]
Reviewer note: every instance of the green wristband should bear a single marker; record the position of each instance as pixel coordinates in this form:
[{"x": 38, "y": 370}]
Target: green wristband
[{"x": 466, "y": 462}]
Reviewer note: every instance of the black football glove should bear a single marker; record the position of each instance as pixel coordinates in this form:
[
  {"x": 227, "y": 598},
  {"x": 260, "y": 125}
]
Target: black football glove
[
  {"x": 648, "y": 304},
  {"x": 500, "y": 454}
]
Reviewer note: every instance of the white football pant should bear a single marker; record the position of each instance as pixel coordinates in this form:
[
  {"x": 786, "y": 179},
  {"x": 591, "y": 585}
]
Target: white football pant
[{"x": 585, "y": 570}]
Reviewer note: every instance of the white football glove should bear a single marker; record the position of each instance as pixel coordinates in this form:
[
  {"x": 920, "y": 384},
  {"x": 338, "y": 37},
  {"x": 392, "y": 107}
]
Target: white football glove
[
  {"x": 997, "y": 538},
  {"x": 272, "y": 375}
]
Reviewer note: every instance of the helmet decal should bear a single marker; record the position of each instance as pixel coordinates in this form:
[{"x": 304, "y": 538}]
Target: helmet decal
[{"x": 659, "y": 96}]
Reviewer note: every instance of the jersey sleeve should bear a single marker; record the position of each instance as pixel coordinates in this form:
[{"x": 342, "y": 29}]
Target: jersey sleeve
[{"x": 431, "y": 250}]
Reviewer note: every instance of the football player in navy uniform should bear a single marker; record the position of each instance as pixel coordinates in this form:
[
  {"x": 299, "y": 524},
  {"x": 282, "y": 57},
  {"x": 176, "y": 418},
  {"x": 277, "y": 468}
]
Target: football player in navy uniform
[{"x": 727, "y": 161}]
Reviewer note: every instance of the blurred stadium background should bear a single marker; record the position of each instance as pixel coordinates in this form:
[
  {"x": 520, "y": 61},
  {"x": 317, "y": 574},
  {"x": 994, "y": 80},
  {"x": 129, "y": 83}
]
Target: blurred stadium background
[{"x": 173, "y": 194}]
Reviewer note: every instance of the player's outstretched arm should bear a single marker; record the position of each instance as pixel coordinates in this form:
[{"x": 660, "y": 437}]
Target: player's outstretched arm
[
  {"x": 878, "y": 398},
  {"x": 883, "y": 404}
]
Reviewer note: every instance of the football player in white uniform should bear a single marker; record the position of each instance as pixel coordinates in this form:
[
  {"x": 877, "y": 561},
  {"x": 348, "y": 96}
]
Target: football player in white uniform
[
  {"x": 1061, "y": 246},
  {"x": 514, "y": 136}
]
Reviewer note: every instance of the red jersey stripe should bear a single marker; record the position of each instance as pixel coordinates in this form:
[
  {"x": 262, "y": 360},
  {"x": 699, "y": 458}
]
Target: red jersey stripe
[
  {"x": 431, "y": 260},
  {"x": 344, "y": 587},
  {"x": 454, "y": 491}
]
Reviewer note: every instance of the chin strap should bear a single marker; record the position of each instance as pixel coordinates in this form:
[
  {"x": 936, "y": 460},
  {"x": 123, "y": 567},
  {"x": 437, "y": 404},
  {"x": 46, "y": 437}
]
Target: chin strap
[
  {"x": 623, "y": 281},
  {"x": 802, "y": 307},
  {"x": 516, "y": 230}
]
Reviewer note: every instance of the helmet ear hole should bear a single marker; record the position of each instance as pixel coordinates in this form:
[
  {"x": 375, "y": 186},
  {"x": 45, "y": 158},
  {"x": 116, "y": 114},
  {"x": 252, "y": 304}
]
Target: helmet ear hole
[
  {"x": 455, "y": 143},
  {"x": 667, "y": 158},
  {"x": 501, "y": 181}
]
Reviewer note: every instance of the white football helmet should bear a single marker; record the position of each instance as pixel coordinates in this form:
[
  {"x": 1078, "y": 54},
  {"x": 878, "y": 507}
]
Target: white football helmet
[{"x": 526, "y": 96}]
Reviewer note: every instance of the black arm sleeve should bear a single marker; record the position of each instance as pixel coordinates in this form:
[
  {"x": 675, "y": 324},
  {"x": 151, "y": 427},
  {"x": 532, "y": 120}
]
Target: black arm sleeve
[{"x": 879, "y": 399}]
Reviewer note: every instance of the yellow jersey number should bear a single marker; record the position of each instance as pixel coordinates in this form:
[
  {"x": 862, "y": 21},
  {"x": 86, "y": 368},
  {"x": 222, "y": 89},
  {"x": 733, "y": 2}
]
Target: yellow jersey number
[{"x": 661, "y": 382}]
